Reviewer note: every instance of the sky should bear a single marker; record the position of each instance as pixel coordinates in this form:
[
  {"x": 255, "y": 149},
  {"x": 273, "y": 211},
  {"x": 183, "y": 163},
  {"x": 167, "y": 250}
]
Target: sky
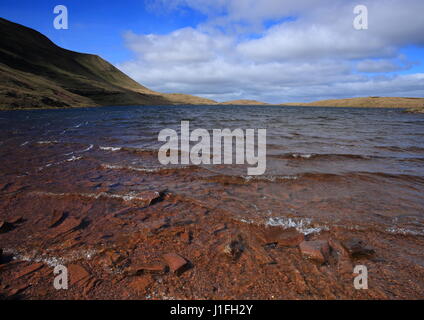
[{"x": 270, "y": 50}]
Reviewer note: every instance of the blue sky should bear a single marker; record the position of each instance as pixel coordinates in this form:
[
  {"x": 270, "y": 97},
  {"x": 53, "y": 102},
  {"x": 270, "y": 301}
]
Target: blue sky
[{"x": 269, "y": 50}]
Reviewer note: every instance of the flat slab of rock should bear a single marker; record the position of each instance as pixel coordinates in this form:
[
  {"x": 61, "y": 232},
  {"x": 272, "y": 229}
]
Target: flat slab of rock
[
  {"x": 77, "y": 274},
  {"x": 66, "y": 226},
  {"x": 282, "y": 237},
  {"x": 29, "y": 270},
  {"x": 317, "y": 250},
  {"x": 150, "y": 268},
  {"x": 175, "y": 262}
]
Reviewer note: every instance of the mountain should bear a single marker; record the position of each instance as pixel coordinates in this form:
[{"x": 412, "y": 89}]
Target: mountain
[
  {"x": 368, "y": 102},
  {"x": 36, "y": 73}
]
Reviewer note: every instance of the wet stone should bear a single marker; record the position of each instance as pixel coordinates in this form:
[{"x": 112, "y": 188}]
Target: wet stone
[
  {"x": 77, "y": 274},
  {"x": 150, "y": 268},
  {"x": 358, "y": 248},
  {"x": 176, "y": 263},
  {"x": 29, "y": 270},
  {"x": 141, "y": 284},
  {"x": 317, "y": 250},
  {"x": 282, "y": 237}
]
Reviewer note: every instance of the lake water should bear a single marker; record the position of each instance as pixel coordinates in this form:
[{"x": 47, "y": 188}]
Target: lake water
[{"x": 326, "y": 167}]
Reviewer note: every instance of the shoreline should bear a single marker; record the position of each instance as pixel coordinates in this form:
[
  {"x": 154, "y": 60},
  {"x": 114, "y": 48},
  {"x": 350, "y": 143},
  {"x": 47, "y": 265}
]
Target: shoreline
[{"x": 405, "y": 109}]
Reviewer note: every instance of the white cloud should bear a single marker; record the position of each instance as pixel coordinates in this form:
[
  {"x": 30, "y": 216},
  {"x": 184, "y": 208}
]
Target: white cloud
[{"x": 314, "y": 55}]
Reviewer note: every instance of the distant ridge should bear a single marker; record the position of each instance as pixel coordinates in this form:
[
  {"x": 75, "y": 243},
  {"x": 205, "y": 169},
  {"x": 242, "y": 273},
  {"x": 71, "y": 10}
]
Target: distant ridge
[{"x": 368, "y": 102}]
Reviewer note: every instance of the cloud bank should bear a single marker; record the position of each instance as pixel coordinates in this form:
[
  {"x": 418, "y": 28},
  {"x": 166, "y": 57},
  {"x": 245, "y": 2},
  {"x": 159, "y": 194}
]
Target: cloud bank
[{"x": 282, "y": 51}]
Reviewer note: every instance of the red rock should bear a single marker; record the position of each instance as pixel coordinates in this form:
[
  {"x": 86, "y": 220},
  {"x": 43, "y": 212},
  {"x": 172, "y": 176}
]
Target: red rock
[
  {"x": 14, "y": 220},
  {"x": 357, "y": 247},
  {"x": 283, "y": 237},
  {"x": 219, "y": 228},
  {"x": 186, "y": 237},
  {"x": 19, "y": 289},
  {"x": 56, "y": 217},
  {"x": 344, "y": 265},
  {"x": 77, "y": 274},
  {"x": 141, "y": 284},
  {"x": 28, "y": 270},
  {"x": 149, "y": 196},
  {"x": 90, "y": 284},
  {"x": 318, "y": 250},
  {"x": 232, "y": 248},
  {"x": 69, "y": 224},
  {"x": 154, "y": 268},
  {"x": 175, "y": 262}
]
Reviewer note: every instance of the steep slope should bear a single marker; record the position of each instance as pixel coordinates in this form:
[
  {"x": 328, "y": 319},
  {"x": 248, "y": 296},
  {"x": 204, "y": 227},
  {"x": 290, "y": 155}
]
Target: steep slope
[{"x": 34, "y": 72}]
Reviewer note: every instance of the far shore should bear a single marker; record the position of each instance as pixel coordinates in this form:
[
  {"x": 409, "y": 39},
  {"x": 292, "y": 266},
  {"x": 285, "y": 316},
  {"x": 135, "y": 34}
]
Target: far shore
[{"x": 412, "y": 105}]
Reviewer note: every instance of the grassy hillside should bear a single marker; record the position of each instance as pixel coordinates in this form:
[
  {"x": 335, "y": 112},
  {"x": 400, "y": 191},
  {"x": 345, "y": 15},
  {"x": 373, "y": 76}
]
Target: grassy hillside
[
  {"x": 368, "y": 102},
  {"x": 36, "y": 73}
]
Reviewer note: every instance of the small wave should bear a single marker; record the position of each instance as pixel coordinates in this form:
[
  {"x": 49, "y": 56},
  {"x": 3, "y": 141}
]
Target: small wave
[
  {"x": 47, "y": 142},
  {"x": 405, "y": 232},
  {"x": 113, "y": 149},
  {"x": 51, "y": 261},
  {"x": 114, "y": 167},
  {"x": 24, "y": 144},
  {"x": 132, "y": 196},
  {"x": 88, "y": 148},
  {"x": 321, "y": 156},
  {"x": 269, "y": 178},
  {"x": 302, "y": 225},
  {"x": 148, "y": 170},
  {"x": 73, "y": 158}
]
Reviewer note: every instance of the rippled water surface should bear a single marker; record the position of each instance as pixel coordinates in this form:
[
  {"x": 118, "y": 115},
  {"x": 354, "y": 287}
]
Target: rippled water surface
[{"x": 355, "y": 168}]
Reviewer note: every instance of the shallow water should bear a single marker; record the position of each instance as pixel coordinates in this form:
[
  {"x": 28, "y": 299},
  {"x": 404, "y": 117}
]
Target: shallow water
[{"x": 354, "y": 168}]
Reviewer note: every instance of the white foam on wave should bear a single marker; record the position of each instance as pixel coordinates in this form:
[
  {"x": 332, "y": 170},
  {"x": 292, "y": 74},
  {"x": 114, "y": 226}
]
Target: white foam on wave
[
  {"x": 132, "y": 196},
  {"x": 47, "y": 142},
  {"x": 110, "y": 148},
  {"x": 91, "y": 146},
  {"x": 269, "y": 178},
  {"x": 303, "y": 225},
  {"x": 114, "y": 167},
  {"x": 50, "y": 260},
  {"x": 406, "y": 232},
  {"x": 73, "y": 158},
  {"x": 304, "y": 156}
]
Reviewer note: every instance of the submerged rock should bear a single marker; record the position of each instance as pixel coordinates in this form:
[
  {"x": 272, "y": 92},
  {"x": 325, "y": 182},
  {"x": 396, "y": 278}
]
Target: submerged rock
[
  {"x": 358, "y": 248},
  {"x": 150, "y": 268},
  {"x": 77, "y": 274},
  {"x": 283, "y": 237},
  {"x": 141, "y": 284},
  {"x": 317, "y": 250},
  {"x": 232, "y": 248},
  {"x": 29, "y": 270},
  {"x": 176, "y": 263}
]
